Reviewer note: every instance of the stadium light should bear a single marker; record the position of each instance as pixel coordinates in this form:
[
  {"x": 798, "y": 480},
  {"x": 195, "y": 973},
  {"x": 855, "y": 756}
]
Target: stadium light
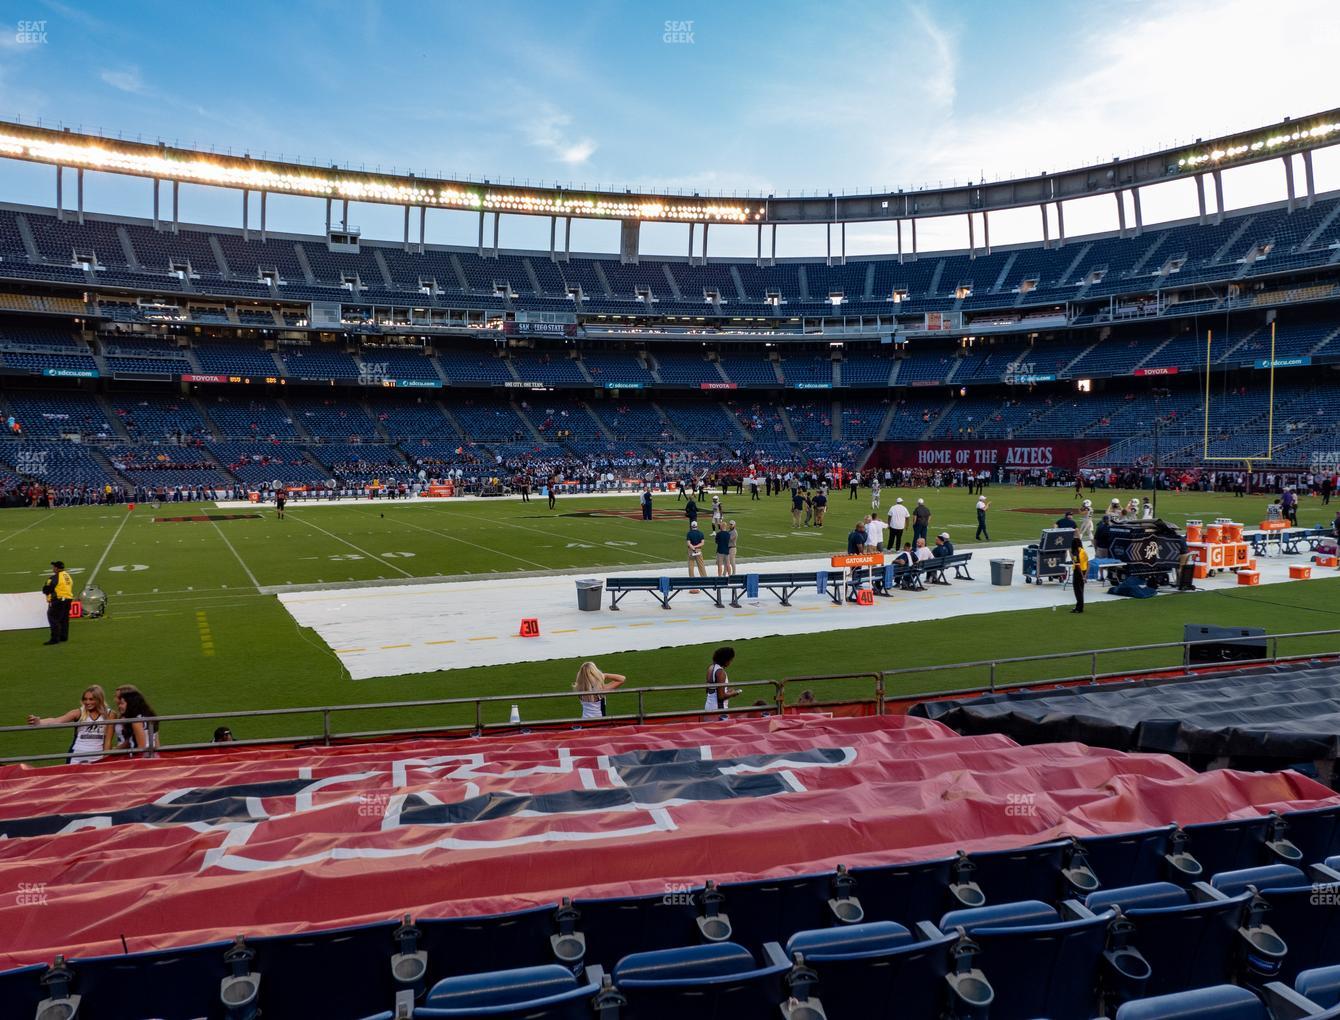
[
  {"x": 1267, "y": 144},
  {"x": 257, "y": 175}
]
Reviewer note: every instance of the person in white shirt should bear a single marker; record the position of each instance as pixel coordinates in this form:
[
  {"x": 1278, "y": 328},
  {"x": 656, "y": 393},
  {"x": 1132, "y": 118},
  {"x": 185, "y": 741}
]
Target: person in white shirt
[
  {"x": 592, "y": 685},
  {"x": 874, "y": 534},
  {"x": 898, "y": 516},
  {"x": 922, "y": 553},
  {"x": 874, "y": 494}
]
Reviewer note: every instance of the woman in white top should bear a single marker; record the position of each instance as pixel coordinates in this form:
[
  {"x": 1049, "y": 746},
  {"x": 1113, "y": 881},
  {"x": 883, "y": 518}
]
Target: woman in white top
[
  {"x": 90, "y": 737},
  {"x": 592, "y": 685}
]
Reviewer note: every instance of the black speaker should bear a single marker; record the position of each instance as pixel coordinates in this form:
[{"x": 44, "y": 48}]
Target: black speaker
[{"x": 1224, "y": 650}]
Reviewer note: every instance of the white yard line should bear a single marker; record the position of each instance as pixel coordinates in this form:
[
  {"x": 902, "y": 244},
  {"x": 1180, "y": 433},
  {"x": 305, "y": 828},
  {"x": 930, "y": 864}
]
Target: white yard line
[
  {"x": 475, "y": 545},
  {"x": 351, "y": 545},
  {"x": 551, "y": 534},
  {"x": 34, "y": 524},
  {"x": 240, "y": 562},
  {"x": 88, "y": 581}
]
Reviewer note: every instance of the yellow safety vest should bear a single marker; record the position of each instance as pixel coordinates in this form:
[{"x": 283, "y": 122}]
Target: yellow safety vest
[{"x": 64, "y": 587}]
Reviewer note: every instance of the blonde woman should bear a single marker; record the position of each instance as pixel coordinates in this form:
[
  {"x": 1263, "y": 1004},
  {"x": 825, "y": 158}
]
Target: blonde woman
[
  {"x": 592, "y": 685},
  {"x": 90, "y": 738}
]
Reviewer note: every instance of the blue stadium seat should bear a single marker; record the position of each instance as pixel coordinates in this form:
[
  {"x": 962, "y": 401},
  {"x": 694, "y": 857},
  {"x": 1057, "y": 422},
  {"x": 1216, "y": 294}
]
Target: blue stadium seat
[
  {"x": 1307, "y": 918},
  {"x": 342, "y": 972},
  {"x": 1321, "y": 985},
  {"x": 772, "y": 908},
  {"x": 1267, "y": 876},
  {"x": 549, "y": 991},
  {"x": 1135, "y": 858},
  {"x": 1221, "y": 1002},
  {"x": 1234, "y": 844},
  {"x": 1189, "y": 938},
  {"x": 1316, "y": 832},
  {"x": 167, "y": 983},
  {"x": 467, "y": 945},
  {"x": 1048, "y": 871},
  {"x": 21, "y": 989},
  {"x": 719, "y": 980},
  {"x": 873, "y": 971},
  {"x": 617, "y": 926},
  {"x": 1038, "y": 964},
  {"x": 906, "y": 893}
]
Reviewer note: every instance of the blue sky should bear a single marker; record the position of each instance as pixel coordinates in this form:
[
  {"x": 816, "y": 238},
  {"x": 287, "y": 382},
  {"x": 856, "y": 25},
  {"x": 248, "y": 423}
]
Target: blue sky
[{"x": 741, "y": 96}]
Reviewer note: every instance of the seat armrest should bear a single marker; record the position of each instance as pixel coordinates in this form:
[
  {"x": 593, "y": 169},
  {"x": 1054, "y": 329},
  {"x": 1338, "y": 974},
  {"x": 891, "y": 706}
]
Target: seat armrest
[
  {"x": 1286, "y": 1004},
  {"x": 773, "y": 956},
  {"x": 928, "y": 932},
  {"x": 1322, "y": 873},
  {"x": 1203, "y": 892},
  {"x": 1074, "y": 910}
]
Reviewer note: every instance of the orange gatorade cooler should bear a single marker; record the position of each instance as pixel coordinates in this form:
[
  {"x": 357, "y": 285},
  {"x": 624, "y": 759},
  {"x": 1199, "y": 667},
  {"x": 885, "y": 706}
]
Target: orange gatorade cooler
[
  {"x": 1214, "y": 534},
  {"x": 1249, "y": 577},
  {"x": 1193, "y": 532},
  {"x": 1198, "y": 553},
  {"x": 1217, "y": 561},
  {"x": 1241, "y": 553},
  {"x": 1200, "y": 571},
  {"x": 1323, "y": 560},
  {"x": 1232, "y": 531},
  {"x": 1300, "y": 573}
]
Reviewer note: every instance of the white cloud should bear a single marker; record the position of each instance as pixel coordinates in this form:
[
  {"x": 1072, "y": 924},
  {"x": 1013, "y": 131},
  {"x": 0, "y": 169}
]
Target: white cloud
[
  {"x": 125, "y": 80},
  {"x": 550, "y": 131}
]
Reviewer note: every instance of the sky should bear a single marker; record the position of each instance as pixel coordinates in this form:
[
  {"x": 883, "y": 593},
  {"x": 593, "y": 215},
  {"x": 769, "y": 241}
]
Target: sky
[{"x": 741, "y": 97}]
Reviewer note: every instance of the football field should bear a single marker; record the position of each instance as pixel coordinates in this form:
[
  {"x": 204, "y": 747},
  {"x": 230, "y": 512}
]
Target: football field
[{"x": 194, "y": 620}]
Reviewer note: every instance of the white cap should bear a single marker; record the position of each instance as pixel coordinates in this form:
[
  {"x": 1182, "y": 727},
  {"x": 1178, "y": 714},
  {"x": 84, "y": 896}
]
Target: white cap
[
  {"x": 899, "y": 499},
  {"x": 1087, "y": 504},
  {"x": 944, "y": 534},
  {"x": 921, "y": 502}
]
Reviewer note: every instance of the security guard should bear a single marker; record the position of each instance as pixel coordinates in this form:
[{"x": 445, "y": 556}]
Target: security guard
[{"x": 59, "y": 591}]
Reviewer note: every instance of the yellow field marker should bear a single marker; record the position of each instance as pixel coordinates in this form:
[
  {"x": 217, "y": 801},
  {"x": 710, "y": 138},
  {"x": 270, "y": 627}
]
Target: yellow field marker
[
  {"x": 385, "y": 647},
  {"x": 489, "y": 638},
  {"x": 448, "y": 641},
  {"x": 349, "y": 651}
]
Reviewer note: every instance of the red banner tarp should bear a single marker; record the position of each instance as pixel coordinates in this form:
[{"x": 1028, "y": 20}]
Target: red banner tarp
[
  {"x": 985, "y": 455},
  {"x": 184, "y": 850}
]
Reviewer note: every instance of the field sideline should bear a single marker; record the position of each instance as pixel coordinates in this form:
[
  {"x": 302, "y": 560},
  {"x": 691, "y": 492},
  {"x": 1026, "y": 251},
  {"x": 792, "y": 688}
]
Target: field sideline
[{"x": 192, "y": 622}]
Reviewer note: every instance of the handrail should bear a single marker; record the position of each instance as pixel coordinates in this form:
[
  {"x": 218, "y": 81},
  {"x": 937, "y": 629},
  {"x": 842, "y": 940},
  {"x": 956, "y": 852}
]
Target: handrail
[{"x": 879, "y": 681}]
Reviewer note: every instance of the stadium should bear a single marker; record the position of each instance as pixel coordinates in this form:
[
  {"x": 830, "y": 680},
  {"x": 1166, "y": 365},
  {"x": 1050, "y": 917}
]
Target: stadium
[{"x": 807, "y": 488}]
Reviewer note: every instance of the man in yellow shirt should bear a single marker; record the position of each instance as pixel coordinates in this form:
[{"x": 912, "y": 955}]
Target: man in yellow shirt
[{"x": 59, "y": 591}]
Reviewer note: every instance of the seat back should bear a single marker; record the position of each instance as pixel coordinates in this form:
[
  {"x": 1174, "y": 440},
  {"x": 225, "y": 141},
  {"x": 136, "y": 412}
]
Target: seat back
[
  {"x": 1191, "y": 946},
  {"x": 718, "y": 980},
  {"x": 468, "y": 945},
  {"x": 171, "y": 983},
  {"x": 1229, "y": 846},
  {"x": 1129, "y": 858},
  {"x": 1267, "y": 876},
  {"x": 21, "y": 989},
  {"x": 906, "y": 980},
  {"x": 871, "y": 938},
  {"x": 1149, "y": 896},
  {"x": 1321, "y": 985},
  {"x": 1047, "y": 970},
  {"x": 1308, "y": 920},
  {"x": 771, "y": 909},
  {"x": 619, "y": 926},
  {"x": 906, "y": 893},
  {"x": 1026, "y": 873},
  {"x": 326, "y": 973},
  {"x": 521, "y": 986},
  {"x": 1001, "y": 915},
  {"x": 1316, "y": 832},
  {"x": 1222, "y": 1002}
]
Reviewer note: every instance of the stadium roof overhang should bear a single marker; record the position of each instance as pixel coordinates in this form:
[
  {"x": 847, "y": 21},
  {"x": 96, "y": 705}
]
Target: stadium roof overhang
[{"x": 79, "y": 151}]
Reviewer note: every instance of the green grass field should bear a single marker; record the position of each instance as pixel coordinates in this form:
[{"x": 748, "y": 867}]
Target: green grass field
[{"x": 189, "y": 623}]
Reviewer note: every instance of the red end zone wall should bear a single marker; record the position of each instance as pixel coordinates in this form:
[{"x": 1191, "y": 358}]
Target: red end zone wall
[{"x": 985, "y": 455}]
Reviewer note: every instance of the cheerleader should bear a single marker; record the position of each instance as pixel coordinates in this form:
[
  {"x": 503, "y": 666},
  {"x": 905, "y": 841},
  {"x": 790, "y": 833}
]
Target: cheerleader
[
  {"x": 91, "y": 737},
  {"x": 592, "y": 685}
]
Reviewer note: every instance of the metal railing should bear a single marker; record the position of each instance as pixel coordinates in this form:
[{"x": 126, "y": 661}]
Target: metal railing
[{"x": 645, "y": 699}]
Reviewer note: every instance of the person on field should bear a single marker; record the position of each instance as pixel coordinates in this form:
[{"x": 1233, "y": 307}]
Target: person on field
[
  {"x": 1079, "y": 561},
  {"x": 719, "y": 691},
  {"x": 59, "y": 590}
]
